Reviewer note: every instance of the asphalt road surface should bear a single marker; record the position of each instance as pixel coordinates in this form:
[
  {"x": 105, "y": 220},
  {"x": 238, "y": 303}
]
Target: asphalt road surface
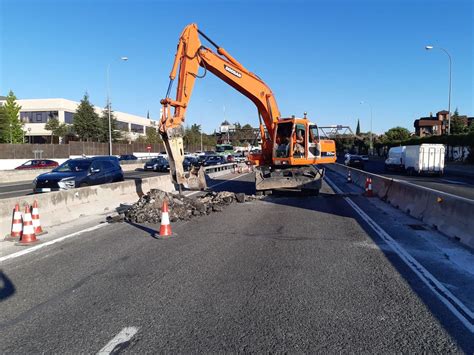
[
  {"x": 16, "y": 189},
  {"x": 284, "y": 274},
  {"x": 459, "y": 186}
]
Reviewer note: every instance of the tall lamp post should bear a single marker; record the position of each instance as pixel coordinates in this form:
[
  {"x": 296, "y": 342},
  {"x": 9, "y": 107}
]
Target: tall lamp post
[
  {"x": 428, "y": 48},
  {"x": 370, "y": 133},
  {"x": 108, "y": 104}
]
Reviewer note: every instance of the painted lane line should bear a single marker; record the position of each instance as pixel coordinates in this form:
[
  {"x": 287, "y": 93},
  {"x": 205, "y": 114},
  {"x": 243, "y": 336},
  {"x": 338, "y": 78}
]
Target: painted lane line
[
  {"x": 454, "y": 182},
  {"x": 123, "y": 337},
  {"x": 457, "y": 308},
  {"x": 220, "y": 183},
  {"x": 58, "y": 240}
]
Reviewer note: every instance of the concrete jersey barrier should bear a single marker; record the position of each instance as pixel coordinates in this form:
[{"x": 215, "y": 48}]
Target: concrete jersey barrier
[
  {"x": 451, "y": 215},
  {"x": 63, "y": 206}
]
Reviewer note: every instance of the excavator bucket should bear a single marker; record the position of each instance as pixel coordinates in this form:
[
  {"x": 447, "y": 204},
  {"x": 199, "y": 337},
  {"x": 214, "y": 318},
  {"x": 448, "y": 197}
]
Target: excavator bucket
[{"x": 195, "y": 179}]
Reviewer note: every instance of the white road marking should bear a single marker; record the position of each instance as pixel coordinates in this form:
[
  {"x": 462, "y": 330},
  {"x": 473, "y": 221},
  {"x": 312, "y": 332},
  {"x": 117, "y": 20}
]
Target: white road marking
[
  {"x": 223, "y": 182},
  {"x": 438, "y": 289},
  {"x": 454, "y": 182},
  {"x": 125, "y": 335},
  {"x": 39, "y": 246}
]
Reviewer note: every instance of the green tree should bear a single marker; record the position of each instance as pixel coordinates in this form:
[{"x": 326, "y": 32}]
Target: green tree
[
  {"x": 358, "y": 128},
  {"x": 86, "y": 121},
  {"x": 458, "y": 125},
  {"x": 58, "y": 129},
  {"x": 103, "y": 131},
  {"x": 4, "y": 126},
  {"x": 397, "y": 134},
  {"x": 11, "y": 129},
  {"x": 152, "y": 136}
]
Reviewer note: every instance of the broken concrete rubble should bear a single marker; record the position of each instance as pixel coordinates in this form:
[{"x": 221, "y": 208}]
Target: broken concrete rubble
[{"x": 148, "y": 207}]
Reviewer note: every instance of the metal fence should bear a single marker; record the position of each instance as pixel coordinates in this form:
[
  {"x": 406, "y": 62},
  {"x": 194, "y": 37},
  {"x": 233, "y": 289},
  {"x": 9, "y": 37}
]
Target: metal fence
[{"x": 52, "y": 151}]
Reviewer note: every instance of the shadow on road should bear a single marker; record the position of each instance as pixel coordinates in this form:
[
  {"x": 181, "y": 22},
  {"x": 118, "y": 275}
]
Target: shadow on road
[
  {"x": 7, "y": 289},
  {"x": 152, "y": 232}
]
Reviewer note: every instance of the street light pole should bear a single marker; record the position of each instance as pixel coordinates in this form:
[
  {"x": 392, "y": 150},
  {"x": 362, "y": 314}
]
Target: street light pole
[
  {"x": 108, "y": 104},
  {"x": 370, "y": 133},
  {"x": 429, "y": 47}
]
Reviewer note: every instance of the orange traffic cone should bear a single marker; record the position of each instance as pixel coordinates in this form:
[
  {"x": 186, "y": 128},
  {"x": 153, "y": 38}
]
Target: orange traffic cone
[
  {"x": 349, "y": 177},
  {"x": 28, "y": 237},
  {"x": 368, "y": 191},
  {"x": 165, "y": 228},
  {"x": 17, "y": 224},
  {"x": 36, "y": 219}
]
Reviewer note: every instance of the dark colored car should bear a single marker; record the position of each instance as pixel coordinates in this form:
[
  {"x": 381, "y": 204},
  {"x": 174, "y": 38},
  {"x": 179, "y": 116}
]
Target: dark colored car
[
  {"x": 189, "y": 162},
  {"x": 79, "y": 173},
  {"x": 128, "y": 157},
  {"x": 38, "y": 164},
  {"x": 355, "y": 161},
  {"x": 201, "y": 158},
  {"x": 214, "y": 160},
  {"x": 157, "y": 164}
]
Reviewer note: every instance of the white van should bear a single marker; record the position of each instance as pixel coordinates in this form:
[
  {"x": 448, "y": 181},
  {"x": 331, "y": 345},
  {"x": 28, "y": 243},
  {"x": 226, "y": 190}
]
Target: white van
[
  {"x": 396, "y": 159},
  {"x": 425, "y": 159}
]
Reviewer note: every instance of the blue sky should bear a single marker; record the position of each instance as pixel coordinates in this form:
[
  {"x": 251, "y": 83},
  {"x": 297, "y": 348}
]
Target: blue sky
[{"x": 322, "y": 57}]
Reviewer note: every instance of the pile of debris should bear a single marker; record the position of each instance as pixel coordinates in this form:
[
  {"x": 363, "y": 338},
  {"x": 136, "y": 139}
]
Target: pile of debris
[{"x": 148, "y": 207}]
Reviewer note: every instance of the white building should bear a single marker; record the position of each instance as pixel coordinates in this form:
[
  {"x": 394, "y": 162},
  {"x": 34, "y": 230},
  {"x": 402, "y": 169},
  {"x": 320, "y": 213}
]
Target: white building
[{"x": 36, "y": 112}]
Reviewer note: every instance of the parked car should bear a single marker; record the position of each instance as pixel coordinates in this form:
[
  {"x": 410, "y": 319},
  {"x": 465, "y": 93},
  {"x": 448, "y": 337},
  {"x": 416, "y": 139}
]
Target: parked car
[
  {"x": 38, "y": 164},
  {"x": 128, "y": 157},
  {"x": 214, "y": 160},
  {"x": 189, "y": 162},
  {"x": 157, "y": 164},
  {"x": 79, "y": 173},
  {"x": 354, "y": 161}
]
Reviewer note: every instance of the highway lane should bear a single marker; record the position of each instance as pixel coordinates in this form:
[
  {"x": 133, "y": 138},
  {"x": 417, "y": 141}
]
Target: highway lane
[
  {"x": 22, "y": 188},
  {"x": 459, "y": 186},
  {"x": 285, "y": 274}
]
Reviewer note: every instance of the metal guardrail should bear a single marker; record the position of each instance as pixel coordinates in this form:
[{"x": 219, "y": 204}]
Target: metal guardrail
[{"x": 221, "y": 167}]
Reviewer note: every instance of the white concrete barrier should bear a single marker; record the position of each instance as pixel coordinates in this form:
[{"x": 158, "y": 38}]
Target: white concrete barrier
[
  {"x": 451, "y": 215},
  {"x": 64, "y": 206}
]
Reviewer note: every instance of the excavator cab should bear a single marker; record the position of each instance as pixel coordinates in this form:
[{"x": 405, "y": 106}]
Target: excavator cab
[{"x": 297, "y": 142}]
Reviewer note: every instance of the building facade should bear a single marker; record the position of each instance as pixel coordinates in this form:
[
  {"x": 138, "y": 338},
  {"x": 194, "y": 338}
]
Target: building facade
[
  {"x": 34, "y": 113},
  {"x": 432, "y": 125}
]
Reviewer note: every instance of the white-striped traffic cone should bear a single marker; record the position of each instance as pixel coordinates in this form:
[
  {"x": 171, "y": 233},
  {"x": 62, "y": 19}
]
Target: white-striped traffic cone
[
  {"x": 17, "y": 224},
  {"x": 28, "y": 236},
  {"x": 165, "y": 228},
  {"x": 36, "y": 219}
]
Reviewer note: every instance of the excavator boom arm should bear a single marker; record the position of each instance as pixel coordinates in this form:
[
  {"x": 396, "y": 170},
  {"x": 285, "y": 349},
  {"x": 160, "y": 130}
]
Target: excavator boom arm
[{"x": 190, "y": 56}]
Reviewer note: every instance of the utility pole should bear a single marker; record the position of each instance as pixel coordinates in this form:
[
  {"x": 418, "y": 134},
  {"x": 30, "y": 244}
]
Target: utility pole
[{"x": 449, "y": 89}]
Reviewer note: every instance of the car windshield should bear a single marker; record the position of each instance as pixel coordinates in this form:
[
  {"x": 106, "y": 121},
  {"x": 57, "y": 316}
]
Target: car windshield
[{"x": 73, "y": 166}]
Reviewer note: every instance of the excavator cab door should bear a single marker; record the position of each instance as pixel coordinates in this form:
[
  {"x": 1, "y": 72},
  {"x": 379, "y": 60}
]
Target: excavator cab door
[{"x": 314, "y": 144}]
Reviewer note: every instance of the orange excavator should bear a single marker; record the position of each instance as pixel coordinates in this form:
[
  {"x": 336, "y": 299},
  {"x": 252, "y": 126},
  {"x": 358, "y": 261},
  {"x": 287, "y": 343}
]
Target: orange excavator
[{"x": 291, "y": 147}]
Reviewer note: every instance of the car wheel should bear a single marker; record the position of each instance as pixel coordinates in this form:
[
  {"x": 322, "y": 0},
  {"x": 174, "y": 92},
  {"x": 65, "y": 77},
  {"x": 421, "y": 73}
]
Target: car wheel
[{"x": 83, "y": 184}]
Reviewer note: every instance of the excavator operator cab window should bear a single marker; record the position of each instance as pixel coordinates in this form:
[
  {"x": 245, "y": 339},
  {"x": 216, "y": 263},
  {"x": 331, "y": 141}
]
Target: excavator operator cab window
[
  {"x": 282, "y": 139},
  {"x": 299, "y": 141},
  {"x": 314, "y": 148}
]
